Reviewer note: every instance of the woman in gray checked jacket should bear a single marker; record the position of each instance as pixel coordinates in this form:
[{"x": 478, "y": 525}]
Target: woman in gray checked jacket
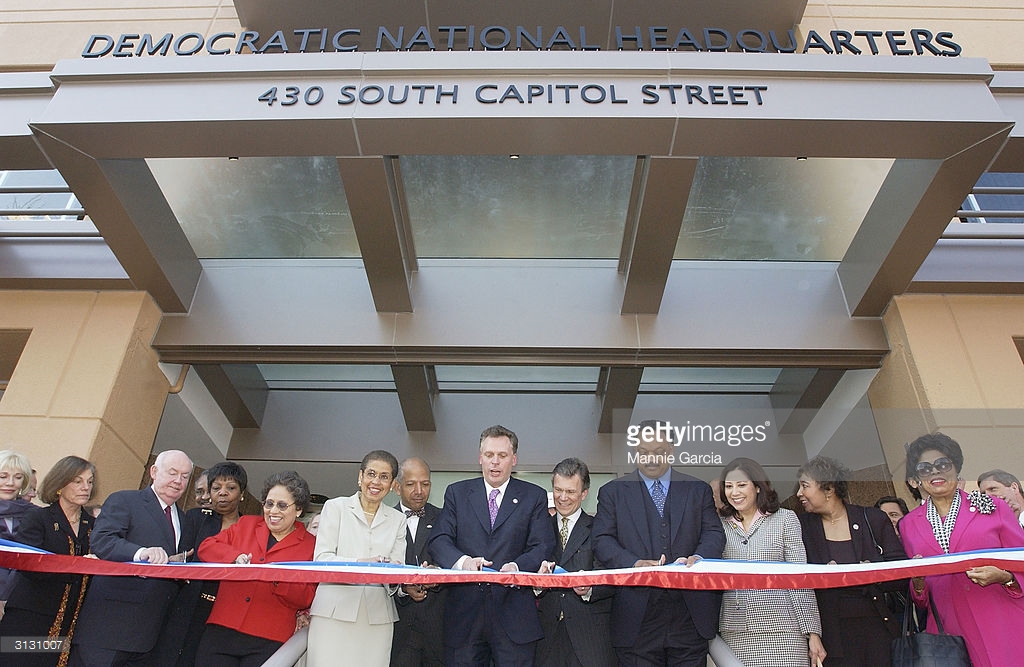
[{"x": 773, "y": 628}]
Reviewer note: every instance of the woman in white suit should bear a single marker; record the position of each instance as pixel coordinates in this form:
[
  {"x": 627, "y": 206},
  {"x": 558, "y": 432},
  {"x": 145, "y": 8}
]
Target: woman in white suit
[{"x": 358, "y": 528}]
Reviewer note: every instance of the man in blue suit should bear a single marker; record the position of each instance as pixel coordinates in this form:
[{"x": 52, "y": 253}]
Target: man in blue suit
[
  {"x": 122, "y": 617},
  {"x": 496, "y": 522},
  {"x": 649, "y": 517}
]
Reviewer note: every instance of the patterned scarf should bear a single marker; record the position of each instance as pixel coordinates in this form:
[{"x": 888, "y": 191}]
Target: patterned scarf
[{"x": 942, "y": 530}]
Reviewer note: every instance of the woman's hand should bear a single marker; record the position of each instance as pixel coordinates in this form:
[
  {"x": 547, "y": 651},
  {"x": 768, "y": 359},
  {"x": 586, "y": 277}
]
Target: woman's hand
[
  {"x": 918, "y": 582},
  {"x": 243, "y": 559},
  {"x": 989, "y": 574},
  {"x": 816, "y": 650}
]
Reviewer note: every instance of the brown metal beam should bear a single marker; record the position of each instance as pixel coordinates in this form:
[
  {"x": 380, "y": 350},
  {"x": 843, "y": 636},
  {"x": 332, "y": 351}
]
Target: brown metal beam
[
  {"x": 370, "y": 182},
  {"x": 662, "y": 203}
]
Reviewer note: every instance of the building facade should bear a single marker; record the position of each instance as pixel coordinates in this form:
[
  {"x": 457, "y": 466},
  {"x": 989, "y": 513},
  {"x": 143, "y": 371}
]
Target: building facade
[{"x": 290, "y": 233}]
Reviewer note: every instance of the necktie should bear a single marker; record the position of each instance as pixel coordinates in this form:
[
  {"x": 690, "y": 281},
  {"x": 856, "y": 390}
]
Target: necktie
[
  {"x": 564, "y": 533},
  {"x": 167, "y": 513},
  {"x": 420, "y": 513},
  {"x": 658, "y": 496},
  {"x": 492, "y": 505}
]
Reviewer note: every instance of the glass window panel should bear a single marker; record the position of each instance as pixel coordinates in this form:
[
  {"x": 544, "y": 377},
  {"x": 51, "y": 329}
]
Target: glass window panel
[
  {"x": 259, "y": 207},
  {"x": 517, "y": 378},
  {"x": 560, "y": 206},
  {"x": 998, "y": 202},
  {"x": 711, "y": 380},
  {"x": 743, "y": 208},
  {"x": 328, "y": 376},
  {"x": 32, "y": 178},
  {"x": 17, "y": 195}
]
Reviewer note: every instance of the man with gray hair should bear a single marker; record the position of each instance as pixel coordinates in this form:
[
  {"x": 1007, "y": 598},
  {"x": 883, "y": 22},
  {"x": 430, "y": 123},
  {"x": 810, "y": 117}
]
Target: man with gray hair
[
  {"x": 122, "y": 617},
  {"x": 1001, "y": 484}
]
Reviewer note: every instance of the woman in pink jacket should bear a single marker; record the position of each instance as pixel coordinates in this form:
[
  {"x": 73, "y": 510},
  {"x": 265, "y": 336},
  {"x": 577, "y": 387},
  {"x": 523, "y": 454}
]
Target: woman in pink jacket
[{"x": 984, "y": 604}]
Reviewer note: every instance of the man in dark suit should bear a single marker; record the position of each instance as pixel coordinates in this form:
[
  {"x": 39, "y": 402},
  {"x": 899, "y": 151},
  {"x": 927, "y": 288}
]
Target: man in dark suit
[
  {"x": 575, "y": 621},
  {"x": 419, "y": 633},
  {"x": 122, "y": 617},
  {"x": 499, "y": 522},
  {"x": 652, "y": 516}
]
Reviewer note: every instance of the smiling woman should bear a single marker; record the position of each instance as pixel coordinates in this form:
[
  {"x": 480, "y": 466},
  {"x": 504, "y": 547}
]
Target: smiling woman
[
  {"x": 46, "y": 605},
  {"x": 985, "y": 605},
  {"x": 857, "y": 626},
  {"x": 252, "y": 619},
  {"x": 358, "y": 528},
  {"x": 764, "y": 627}
]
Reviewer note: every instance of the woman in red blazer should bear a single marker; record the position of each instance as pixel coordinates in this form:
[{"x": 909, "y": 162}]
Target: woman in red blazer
[{"x": 251, "y": 619}]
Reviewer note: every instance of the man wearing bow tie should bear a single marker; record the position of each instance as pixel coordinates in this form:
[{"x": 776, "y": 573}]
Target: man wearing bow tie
[
  {"x": 419, "y": 632},
  {"x": 500, "y": 523}
]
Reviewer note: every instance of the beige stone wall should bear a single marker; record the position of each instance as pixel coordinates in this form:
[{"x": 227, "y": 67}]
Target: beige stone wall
[
  {"x": 87, "y": 381},
  {"x": 989, "y": 30},
  {"x": 953, "y": 367},
  {"x": 35, "y": 34}
]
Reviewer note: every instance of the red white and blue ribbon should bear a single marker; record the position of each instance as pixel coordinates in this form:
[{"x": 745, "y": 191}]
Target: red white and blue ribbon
[{"x": 708, "y": 574}]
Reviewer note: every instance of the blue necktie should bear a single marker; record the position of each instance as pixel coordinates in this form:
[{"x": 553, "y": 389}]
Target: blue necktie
[{"x": 658, "y": 496}]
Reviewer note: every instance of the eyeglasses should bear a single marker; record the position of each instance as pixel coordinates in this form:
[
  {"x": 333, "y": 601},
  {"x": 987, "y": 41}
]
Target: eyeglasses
[
  {"x": 280, "y": 505},
  {"x": 384, "y": 477},
  {"x": 923, "y": 468}
]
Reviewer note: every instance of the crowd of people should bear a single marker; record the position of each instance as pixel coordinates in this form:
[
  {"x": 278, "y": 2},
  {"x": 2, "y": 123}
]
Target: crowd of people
[{"x": 652, "y": 516}]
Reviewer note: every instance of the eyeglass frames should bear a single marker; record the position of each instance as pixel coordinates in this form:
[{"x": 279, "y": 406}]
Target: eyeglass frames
[
  {"x": 280, "y": 505},
  {"x": 923, "y": 468}
]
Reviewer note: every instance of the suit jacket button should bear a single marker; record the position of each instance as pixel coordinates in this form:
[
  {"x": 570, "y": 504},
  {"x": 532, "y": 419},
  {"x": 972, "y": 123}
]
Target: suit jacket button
[{"x": 248, "y": 599}]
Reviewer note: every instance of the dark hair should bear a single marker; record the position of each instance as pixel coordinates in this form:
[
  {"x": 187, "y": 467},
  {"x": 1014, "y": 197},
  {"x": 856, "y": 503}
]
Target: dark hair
[
  {"x": 893, "y": 499},
  {"x": 381, "y": 455},
  {"x": 293, "y": 482},
  {"x": 63, "y": 473},
  {"x": 497, "y": 431},
  {"x": 660, "y": 428},
  {"x": 940, "y": 442},
  {"x": 228, "y": 470},
  {"x": 1001, "y": 476},
  {"x": 767, "y": 498},
  {"x": 570, "y": 467},
  {"x": 831, "y": 475}
]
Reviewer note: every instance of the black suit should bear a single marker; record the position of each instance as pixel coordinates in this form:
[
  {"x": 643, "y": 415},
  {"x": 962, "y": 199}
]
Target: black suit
[
  {"x": 570, "y": 624},
  {"x": 627, "y": 528},
  {"x": 122, "y": 617},
  {"x": 498, "y": 622},
  {"x": 37, "y": 598},
  {"x": 856, "y": 624},
  {"x": 186, "y": 619},
  {"x": 419, "y": 632}
]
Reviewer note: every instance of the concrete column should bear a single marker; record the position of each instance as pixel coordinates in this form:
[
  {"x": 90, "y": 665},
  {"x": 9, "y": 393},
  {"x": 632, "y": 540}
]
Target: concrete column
[
  {"x": 955, "y": 367},
  {"x": 86, "y": 382}
]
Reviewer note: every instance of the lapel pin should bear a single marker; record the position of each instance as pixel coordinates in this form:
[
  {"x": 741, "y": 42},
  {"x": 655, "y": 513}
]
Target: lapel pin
[
  {"x": 55, "y": 526},
  {"x": 973, "y": 509},
  {"x": 515, "y": 501},
  {"x": 856, "y": 527},
  {"x": 429, "y": 526}
]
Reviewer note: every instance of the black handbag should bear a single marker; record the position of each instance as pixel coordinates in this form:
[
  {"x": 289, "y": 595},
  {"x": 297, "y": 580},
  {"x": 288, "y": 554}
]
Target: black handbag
[{"x": 916, "y": 648}]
